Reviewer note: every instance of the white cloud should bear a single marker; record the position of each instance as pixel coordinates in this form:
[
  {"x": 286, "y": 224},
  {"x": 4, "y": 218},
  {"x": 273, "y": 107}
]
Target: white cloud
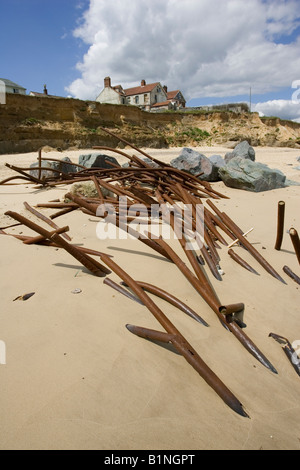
[
  {"x": 285, "y": 109},
  {"x": 205, "y": 48}
]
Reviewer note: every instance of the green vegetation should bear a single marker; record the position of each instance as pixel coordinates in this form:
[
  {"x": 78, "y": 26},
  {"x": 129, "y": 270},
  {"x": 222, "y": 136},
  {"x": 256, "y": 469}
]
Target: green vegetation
[
  {"x": 194, "y": 133},
  {"x": 31, "y": 121}
]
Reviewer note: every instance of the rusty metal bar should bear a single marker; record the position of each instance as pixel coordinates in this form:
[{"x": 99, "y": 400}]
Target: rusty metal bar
[
  {"x": 243, "y": 240},
  {"x": 40, "y": 238},
  {"x": 19, "y": 170},
  {"x": 62, "y": 212},
  {"x": 45, "y": 219},
  {"x": 109, "y": 282},
  {"x": 291, "y": 274},
  {"x": 289, "y": 351},
  {"x": 116, "y": 221},
  {"x": 280, "y": 225},
  {"x": 240, "y": 261},
  {"x": 211, "y": 299},
  {"x": 185, "y": 349},
  {"x": 296, "y": 242},
  {"x": 98, "y": 188},
  {"x": 172, "y": 300},
  {"x": 40, "y": 164},
  {"x": 92, "y": 265}
]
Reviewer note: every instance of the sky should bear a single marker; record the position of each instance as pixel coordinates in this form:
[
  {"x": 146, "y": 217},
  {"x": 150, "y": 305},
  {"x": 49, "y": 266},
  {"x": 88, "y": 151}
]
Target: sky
[{"x": 214, "y": 51}]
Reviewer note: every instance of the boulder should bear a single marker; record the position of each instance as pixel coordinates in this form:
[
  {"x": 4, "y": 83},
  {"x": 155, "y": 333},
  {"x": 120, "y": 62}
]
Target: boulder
[
  {"x": 217, "y": 163},
  {"x": 146, "y": 160},
  {"x": 241, "y": 173},
  {"x": 64, "y": 166},
  {"x": 193, "y": 162},
  {"x": 242, "y": 150},
  {"x": 47, "y": 173},
  {"x": 97, "y": 160}
]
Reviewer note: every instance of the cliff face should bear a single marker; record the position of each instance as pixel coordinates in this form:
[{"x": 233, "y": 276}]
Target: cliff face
[{"x": 28, "y": 123}]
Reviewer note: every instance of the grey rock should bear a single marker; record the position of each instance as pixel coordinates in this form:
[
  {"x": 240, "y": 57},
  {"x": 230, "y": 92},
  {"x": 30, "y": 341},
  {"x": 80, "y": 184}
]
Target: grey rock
[
  {"x": 291, "y": 182},
  {"x": 97, "y": 160},
  {"x": 146, "y": 160},
  {"x": 298, "y": 159},
  {"x": 217, "y": 163},
  {"x": 45, "y": 173},
  {"x": 150, "y": 162},
  {"x": 243, "y": 150},
  {"x": 193, "y": 162},
  {"x": 64, "y": 166},
  {"x": 241, "y": 173},
  {"x": 297, "y": 168}
]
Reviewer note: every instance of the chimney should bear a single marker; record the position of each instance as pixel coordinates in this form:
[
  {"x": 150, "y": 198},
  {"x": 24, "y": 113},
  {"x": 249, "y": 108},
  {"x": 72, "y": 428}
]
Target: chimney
[
  {"x": 165, "y": 88},
  {"x": 143, "y": 82},
  {"x": 45, "y": 90},
  {"x": 107, "y": 82}
]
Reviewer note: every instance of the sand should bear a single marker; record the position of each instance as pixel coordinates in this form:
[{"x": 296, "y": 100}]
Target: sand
[{"x": 75, "y": 378}]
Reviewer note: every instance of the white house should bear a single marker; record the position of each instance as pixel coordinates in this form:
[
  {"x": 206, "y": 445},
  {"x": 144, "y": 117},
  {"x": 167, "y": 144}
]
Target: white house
[
  {"x": 149, "y": 97},
  {"x": 13, "y": 88}
]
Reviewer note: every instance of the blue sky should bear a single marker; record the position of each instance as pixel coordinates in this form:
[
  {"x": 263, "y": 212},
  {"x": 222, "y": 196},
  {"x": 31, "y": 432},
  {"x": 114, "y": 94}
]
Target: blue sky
[
  {"x": 214, "y": 51},
  {"x": 39, "y": 46}
]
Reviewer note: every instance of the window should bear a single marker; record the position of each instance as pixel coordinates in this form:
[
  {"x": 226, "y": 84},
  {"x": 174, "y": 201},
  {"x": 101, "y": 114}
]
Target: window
[
  {"x": 16, "y": 90},
  {"x": 158, "y": 89},
  {"x": 146, "y": 98},
  {"x": 136, "y": 99}
]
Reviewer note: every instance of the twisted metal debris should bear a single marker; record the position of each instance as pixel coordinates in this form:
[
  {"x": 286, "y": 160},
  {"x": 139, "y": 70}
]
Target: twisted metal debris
[{"x": 143, "y": 186}]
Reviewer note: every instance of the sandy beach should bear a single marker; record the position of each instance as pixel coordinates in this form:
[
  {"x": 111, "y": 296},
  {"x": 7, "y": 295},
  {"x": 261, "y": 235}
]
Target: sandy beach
[{"x": 76, "y": 378}]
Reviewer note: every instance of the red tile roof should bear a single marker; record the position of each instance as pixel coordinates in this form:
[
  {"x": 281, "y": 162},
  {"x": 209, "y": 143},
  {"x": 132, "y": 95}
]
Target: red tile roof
[
  {"x": 138, "y": 90},
  {"x": 162, "y": 103},
  {"x": 172, "y": 94}
]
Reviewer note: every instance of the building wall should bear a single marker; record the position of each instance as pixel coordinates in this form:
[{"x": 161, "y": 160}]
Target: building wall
[
  {"x": 145, "y": 100},
  {"x": 15, "y": 90},
  {"x": 110, "y": 96},
  {"x": 158, "y": 95}
]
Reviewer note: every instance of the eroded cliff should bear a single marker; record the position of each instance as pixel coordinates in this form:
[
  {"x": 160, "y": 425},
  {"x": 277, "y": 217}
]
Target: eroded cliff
[{"x": 28, "y": 123}]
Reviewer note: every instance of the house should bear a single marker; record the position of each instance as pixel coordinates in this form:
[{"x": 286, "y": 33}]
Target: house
[
  {"x": 13, "y": 88},
  {"x": 149, "y": 97},
  {"x": 45, "y": 94}
]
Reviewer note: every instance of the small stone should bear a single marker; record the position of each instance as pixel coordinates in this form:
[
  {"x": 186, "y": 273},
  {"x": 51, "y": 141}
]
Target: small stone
[{"x": 76, "y": 291}]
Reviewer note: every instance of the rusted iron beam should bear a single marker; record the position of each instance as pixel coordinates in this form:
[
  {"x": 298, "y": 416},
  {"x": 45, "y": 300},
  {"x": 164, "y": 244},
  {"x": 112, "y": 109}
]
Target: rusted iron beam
[
  {"x": 118, "y": 223},
  {"x": 295, "y": 241},
  {"x": 62, "y": 212},
  {"x": 45, "y": 219},
  {"x": 210, "y": 297},
  {"x": 92, "y": 265},
  {"x": 289, "y": 351},
  {"x": 243, "y": 240},
  {"x": 180, "y": 343},
  {"x": 109, "y": 282},
  {"x": 241, "y": 261},
  {"x": 280, "y": 225},
  {"x": 40, "y": 238},
  {"x": 172, "y": 300},
  {"x": 291, "y": 274}
]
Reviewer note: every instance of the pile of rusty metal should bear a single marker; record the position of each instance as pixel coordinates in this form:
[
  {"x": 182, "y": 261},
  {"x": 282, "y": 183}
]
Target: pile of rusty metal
[{"x": 143, "y": 187}]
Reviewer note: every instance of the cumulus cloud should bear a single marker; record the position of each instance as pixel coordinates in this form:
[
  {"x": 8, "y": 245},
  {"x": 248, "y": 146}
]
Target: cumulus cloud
[
  {"x": 285, "y": 109},
  {"x": 204, "y": 48}
]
